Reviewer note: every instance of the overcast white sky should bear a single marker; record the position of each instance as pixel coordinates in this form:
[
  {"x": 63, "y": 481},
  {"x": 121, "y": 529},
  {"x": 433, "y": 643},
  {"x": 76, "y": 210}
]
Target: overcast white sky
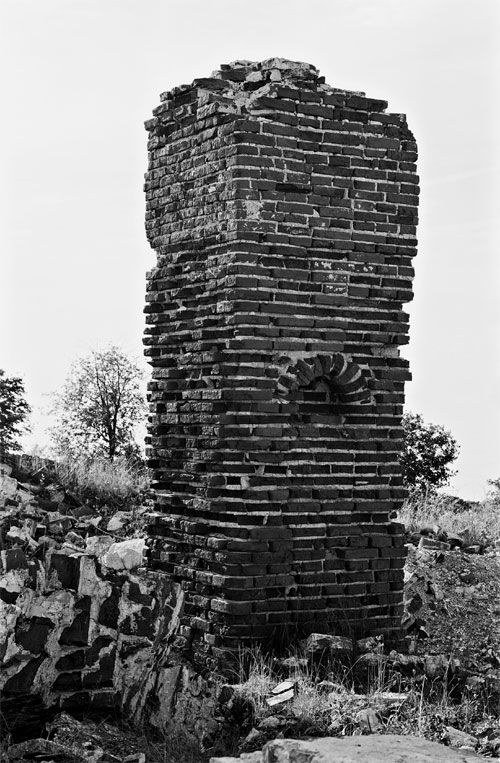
[{"x": 81, "y": 76}]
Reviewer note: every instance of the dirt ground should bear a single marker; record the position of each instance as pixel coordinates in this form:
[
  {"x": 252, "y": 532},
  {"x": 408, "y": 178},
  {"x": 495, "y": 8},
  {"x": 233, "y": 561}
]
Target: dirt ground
[{"x": 460, "y": 605}]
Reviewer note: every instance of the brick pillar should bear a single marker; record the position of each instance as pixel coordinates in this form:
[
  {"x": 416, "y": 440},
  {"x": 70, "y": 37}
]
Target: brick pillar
[{"x": 283, "y": 213}]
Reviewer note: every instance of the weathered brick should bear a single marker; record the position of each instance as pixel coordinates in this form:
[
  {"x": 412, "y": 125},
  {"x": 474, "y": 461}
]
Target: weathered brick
[{"x": 284, "y": 249}]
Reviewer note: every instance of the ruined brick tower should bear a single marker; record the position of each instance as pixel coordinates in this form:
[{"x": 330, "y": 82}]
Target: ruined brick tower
[{"x": 283, "y": 213}]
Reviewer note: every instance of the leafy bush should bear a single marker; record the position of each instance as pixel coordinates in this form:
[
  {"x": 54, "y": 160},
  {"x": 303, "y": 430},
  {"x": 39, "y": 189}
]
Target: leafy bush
[
  {"x": 427, "y": 455},
  {"x": 14, "y": 410},
  {"x": 494, "y": 492}
]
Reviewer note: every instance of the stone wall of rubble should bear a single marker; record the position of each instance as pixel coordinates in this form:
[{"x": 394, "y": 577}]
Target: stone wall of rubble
[
  {"x": 83, "y": 623},
  {"x": 283, "y": 213}
]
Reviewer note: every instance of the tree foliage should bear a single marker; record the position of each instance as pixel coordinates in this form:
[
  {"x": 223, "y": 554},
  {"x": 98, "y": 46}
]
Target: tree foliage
[
  {"x": 494, "y": 492},
  {"x": 99, "y": 406},
  {"x": 14, "y": 410},
  {"x": 428, "y": 453}
]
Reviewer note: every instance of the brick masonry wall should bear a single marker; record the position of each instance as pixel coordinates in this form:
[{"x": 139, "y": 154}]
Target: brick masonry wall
[{"x": 283, "y": 213}]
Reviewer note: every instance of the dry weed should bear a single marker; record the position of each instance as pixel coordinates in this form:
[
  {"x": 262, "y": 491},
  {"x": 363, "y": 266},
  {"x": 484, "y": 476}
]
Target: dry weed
[
  {"x": 479, "y": 524},
  {"x": 121, "y": 479}
]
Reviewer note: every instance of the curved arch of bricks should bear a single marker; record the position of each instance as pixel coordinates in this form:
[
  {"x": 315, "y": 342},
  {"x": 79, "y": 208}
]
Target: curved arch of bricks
[{"x": 346, "y": 377}]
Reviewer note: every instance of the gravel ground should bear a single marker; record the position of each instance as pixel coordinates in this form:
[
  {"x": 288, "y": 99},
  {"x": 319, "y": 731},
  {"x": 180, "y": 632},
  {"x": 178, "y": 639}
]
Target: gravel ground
[{"x": 461, "y": 604}]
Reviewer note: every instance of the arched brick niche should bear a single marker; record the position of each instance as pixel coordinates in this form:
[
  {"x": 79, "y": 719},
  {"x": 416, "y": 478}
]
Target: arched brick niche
[
  {"x": 344, "y": 382},
  {"x": 283, "y": 213}
]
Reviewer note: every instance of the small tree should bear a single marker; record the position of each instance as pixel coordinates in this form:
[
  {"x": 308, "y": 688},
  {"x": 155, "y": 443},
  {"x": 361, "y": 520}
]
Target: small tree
[
  {"x": 99, "y": 405},
  {"x": 428, "y": 453},
  {"x": 14, "y": 410},
  {"x": 494, "y": 492}
]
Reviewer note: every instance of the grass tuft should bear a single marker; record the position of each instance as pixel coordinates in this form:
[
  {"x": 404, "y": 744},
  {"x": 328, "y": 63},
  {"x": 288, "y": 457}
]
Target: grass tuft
[
  {"x": 479, "y": 523},
  {"x": 331, "y": 700},
  {"x": 120, "y": 481}
]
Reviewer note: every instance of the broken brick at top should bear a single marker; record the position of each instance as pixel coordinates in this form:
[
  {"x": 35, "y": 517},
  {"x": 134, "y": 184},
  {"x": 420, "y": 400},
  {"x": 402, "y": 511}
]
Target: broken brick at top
[{"x": 283, "y": 213}]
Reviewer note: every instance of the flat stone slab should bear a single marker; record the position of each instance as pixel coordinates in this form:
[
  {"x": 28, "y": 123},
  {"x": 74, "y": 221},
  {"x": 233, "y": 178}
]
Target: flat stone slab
[{"x": 376, "y": 748}]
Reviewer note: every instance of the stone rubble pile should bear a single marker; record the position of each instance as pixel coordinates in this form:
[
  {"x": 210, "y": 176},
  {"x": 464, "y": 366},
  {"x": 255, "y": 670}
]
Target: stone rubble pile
[
  {"x": 435, "y": 538},
  {"x": 39, "y": 513},
  {"x": 79, "y": 741},
  {"x": 431, "y": 543},
  {"x": 79, "y": 613}
]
